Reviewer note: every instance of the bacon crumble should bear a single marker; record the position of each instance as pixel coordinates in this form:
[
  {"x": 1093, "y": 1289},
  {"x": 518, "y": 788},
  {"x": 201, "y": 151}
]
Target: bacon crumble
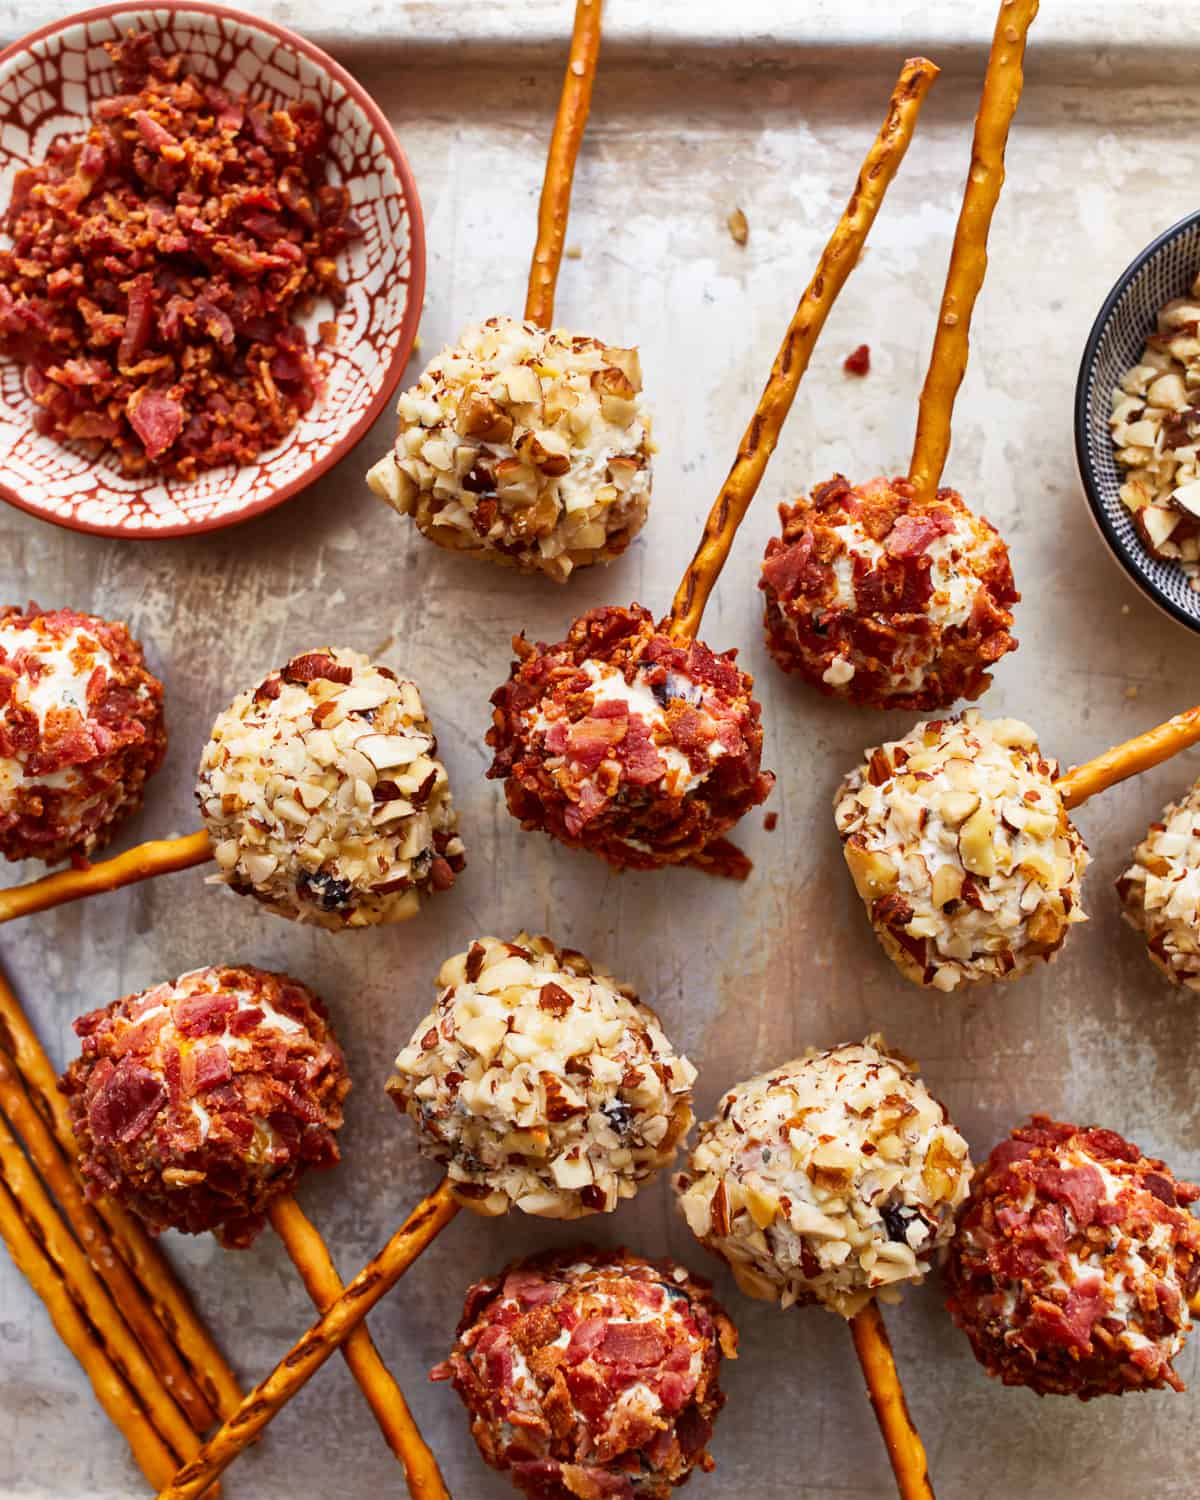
[
  {"x": 1074, "y": 1263},
  {"x": 81, "y": 731},
  {"x": 159, "y": 267},
  {"x": 198, "y": 1101},
  {"x": 620, "y": 740},
  {"x": 592, "y": 1374}
]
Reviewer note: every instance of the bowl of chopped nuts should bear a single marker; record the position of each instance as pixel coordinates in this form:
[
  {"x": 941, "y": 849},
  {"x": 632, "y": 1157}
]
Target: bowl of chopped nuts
[
  {"x": 1137, "y": 421},
  {"x": 212, "y": 262}
]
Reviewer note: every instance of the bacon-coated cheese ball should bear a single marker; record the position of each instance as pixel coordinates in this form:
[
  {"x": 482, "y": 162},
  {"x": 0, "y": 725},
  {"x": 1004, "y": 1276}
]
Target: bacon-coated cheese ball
[
  {"x": 592, "y": 1374},
  {"x": 875, "y": 599},
  {"x": 832, "y": 1179},
  {"x": 1074, "y": 1263},
  {"x": 81, "y": 730},
  {"x": 198, "y": 1101},
  {"x": 960, "y": 847},
  {"x": 524, "y": 447},
  {"x": 541, "y": 1083},
  {"x": 324, "y": 796},
  {"x": 1160, "y": 891},
  {"x": 620, "y": 740}
]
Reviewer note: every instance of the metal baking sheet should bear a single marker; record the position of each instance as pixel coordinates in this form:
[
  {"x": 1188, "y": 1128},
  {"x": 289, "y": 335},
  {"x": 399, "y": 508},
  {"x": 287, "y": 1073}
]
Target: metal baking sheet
[{"x": 684, "y": 128}]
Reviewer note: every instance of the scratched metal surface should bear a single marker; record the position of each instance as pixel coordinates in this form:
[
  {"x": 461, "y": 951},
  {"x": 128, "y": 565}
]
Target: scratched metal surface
[{"x": 744, "y": 977}]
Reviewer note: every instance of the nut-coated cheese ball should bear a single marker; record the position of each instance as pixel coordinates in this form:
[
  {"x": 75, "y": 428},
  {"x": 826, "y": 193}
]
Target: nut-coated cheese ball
[
  {"x": 524, "y": 447},
  {"x": 324, "y": 796},
  {"x": 961, "y": 849},
  {"x": 833, "y": 1178},
  {"x": 1160, "y": 891},
  {"x": 540, "y": 1082}
]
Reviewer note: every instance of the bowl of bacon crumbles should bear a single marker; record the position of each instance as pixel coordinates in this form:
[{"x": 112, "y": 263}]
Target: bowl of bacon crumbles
[{"x": 212, "y": 262}]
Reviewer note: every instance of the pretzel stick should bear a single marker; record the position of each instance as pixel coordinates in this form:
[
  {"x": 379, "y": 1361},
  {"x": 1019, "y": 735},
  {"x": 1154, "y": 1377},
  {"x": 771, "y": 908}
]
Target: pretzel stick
[
  {"x": 370, "y": 1286},
  {"x": 837, "y": 261},
  {"x": 86, "y": 1288},
  {"x": 573, "y": 106},
  {"x": 968, "y": 260},
  {"x": 159, "y": 857},
  {"x": 311, "y": 1259},
  {"x": 166, "y": 1295},
  {"x": 1130, "y": 759},
  {"x": 903, "y": 1441},
  {"x": 149, "y": 1451},
  {"x": 89, "y": 1229}
]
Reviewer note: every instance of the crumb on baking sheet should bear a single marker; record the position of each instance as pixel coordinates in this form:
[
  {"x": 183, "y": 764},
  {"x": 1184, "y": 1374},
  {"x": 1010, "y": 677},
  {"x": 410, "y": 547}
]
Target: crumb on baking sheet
[{"x": 739, "y": 227}]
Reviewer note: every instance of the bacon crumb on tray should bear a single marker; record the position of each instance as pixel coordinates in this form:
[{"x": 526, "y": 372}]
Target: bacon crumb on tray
[
  {"x": 592, "y": 1374},
  {"x": 159, "y": 265}
]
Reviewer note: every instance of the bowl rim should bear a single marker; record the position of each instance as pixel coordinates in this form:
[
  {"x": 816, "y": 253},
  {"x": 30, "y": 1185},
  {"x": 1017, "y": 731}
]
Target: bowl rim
[
  {"x": 403, "y": 347},
  {"x": 1116, "y": 546}
]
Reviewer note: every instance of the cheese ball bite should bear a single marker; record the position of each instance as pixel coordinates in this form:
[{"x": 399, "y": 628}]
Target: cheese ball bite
[
  {"x": 81, "y": 731},
  {"x": 872, "y": 598},
  {"x": 198, "y": 1101},
  {"x": 833, "y": 1179},
  {"x": 324, "y": 797},
  {"x": 541, "y": 1083},
  {"x": 960, "y": 847},
  {"x": 525, "y": 447},
  {"x": 623, "y": 741},
  {"x": 592, "y": 1373},
  {"x": 1160, "y": 891},
  {"x": 1074, "y": 1263}
]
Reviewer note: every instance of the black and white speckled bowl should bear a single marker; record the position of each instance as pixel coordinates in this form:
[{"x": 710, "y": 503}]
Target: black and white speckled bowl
[{"x": 1166, "y": 268}]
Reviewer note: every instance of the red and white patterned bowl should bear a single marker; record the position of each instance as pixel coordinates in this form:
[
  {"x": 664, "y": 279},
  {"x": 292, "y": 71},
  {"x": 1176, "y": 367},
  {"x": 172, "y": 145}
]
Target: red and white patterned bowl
[{"x": 48, "y": 83}]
